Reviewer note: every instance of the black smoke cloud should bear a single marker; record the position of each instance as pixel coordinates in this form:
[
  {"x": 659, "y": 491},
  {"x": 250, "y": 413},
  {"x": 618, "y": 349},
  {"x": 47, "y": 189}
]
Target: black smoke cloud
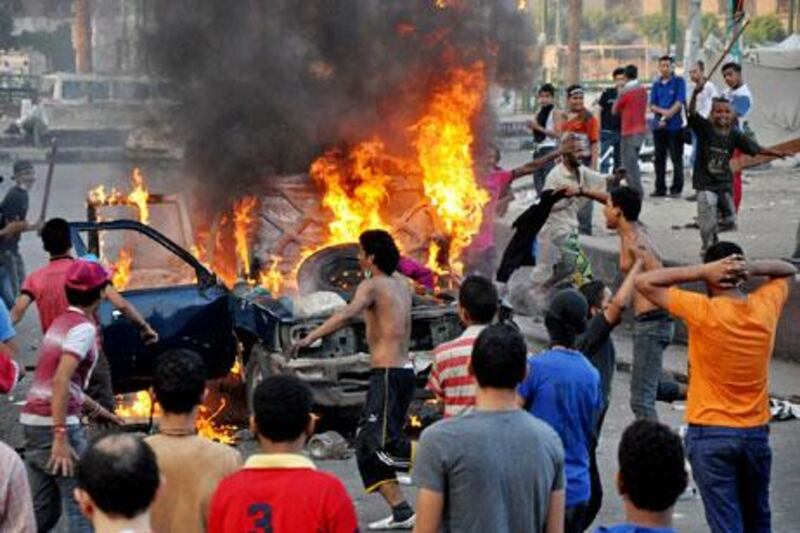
[{"x": 265, "y": 85}]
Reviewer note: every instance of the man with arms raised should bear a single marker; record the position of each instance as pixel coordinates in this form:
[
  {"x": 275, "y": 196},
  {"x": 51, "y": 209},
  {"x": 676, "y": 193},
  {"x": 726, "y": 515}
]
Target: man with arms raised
[
  {"x": 653, "y": 327},
  {"x": 731, "y": 338},
  {"x": 385, "y": 301}
]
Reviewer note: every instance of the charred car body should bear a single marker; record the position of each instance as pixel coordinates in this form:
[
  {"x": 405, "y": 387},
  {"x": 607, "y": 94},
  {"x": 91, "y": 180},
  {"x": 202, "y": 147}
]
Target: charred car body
[{"x": 191, "y": 309}]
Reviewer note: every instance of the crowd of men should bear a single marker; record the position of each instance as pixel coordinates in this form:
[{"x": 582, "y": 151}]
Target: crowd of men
[{"x": 516, "y": 449}]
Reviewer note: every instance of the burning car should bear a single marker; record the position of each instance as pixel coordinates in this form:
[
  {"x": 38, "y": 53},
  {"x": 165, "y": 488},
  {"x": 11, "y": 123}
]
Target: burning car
[{"x": 192, "y": 309}]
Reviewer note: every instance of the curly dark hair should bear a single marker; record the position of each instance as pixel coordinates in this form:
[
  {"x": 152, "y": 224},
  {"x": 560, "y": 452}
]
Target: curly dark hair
[
  {"x": 651, "y": 466},
  {"x": 282, "y": 407},
  {"x": 179, "y": 381}
]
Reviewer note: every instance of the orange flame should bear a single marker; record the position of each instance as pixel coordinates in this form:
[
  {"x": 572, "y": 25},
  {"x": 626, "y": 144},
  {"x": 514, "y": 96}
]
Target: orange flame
[
  {"x": 208, "y": 429},
  {"x": 139, "y": 196},
  {"x": 142, "y": 407},
  {"x": 243, "y": 227},
  {"x": 272, "y": 279},
  {"x": 122, "y": 270},
  {"x": 354, "y": 189},
  {"x": 444, "y": 141},
  {"x": 522, "y": 5}
]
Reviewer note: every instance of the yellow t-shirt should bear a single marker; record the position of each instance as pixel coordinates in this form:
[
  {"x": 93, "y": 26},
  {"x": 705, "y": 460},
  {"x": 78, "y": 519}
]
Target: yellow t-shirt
[
  {"x": 192, "y": 468},
  {"x": 730, "y": 344}
]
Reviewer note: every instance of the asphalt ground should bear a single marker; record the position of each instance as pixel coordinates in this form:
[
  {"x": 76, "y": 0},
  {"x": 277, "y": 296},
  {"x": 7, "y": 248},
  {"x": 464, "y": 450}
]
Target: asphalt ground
[{"x": 67, "y": 200}]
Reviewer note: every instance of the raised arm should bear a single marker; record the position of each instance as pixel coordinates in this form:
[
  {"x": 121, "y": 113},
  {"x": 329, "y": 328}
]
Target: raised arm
[
  {"x": 726, "y": 273},
  {"x": 771, "y": 268},
  {"x": 698, "y": 88},
  {"x": 131, "y": 313}
]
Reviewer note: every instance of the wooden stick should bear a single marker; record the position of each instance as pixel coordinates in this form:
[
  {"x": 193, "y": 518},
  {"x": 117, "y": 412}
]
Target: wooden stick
[
  {"x": 49, "y": 182},
  {"x": 727, "y": 50}
]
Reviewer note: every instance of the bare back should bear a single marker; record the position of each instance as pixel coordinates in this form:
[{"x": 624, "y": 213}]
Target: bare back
[{"x": 388, "y": 321}]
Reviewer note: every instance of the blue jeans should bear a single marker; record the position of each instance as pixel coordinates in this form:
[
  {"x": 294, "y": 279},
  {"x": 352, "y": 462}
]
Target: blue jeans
[
  {"x": 12, "y": 273},
  {"x": 51, "y": 492},
  {"x": 609, "y": 139},
  {"x": 732, "y": 469},
  {"x": 652, "y": 333}
]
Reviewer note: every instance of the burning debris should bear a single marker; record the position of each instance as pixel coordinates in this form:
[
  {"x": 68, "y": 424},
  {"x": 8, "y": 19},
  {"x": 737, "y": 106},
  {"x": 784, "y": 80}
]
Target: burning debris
[{"x": 139, "y": 408}]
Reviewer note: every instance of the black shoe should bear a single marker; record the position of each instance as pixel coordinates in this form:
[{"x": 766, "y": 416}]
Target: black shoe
[
  {"x": 691, "y": 198},
  {"x": 723, "y": 227},
  {"x": 675, "y": 194},
  {"x": 658, "y": 194}
]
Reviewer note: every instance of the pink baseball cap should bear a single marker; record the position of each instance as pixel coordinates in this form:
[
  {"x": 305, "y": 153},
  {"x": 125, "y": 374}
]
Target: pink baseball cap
[{"x": 85, "y": 275}]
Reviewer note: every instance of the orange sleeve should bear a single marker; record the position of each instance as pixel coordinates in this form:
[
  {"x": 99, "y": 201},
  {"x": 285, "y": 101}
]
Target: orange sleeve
[
  {"x": 690, "y": 306},
  {"x": 774, "y": 293},
  {"x": 593, "y": 129}
]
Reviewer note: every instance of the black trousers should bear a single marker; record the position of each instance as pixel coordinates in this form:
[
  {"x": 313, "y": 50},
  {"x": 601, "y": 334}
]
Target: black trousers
[
  {"x": 381, "y": 447},
  {"x": 668, "y": 142}
]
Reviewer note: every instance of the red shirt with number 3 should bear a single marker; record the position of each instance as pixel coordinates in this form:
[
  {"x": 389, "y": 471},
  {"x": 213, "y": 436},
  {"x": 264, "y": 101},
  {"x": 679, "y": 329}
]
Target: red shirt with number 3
[{"x": 274, "y": 493}]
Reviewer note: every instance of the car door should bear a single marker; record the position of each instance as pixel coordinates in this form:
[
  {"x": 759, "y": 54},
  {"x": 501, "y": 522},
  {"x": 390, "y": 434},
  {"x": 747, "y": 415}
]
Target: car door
[{"x": 173, "y": 291}]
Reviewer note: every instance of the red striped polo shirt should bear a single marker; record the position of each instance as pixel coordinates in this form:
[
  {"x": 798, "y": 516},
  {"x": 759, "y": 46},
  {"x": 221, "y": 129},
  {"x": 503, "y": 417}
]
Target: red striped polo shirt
[{"x": 449, "y": 378}]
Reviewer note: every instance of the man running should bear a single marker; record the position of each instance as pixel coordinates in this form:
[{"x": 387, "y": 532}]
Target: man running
[{"x": 385, "y": 301}]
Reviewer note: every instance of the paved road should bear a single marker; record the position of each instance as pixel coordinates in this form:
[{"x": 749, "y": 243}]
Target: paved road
[{"x": 70, "y": 187}]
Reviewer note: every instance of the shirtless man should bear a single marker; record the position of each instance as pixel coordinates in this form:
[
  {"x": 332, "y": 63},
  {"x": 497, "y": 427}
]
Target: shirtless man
[
  {"x": 384, "y": 298},
  {"x": 653, "y": 327}
]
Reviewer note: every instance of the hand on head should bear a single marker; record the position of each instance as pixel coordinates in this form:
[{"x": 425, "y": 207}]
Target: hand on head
[{"x": 728, "y": 272}]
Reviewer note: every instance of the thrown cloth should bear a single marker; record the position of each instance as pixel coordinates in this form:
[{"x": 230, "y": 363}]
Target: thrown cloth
[{"x": 518, "y": 253}]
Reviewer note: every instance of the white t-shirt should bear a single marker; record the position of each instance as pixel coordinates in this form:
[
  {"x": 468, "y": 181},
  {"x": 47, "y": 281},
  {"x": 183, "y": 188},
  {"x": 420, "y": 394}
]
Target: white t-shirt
[{"x": 704, "y": 99}]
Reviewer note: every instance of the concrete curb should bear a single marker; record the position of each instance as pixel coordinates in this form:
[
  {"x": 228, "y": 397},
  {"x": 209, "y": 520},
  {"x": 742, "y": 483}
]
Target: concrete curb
[
  {"x": 784, "y": 376},
  {"x": 605, "y": 265}
]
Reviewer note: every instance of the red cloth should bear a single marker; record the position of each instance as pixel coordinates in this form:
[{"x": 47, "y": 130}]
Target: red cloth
[
  {"x": 9, "y": 373},
  {"x": 299, "y": 500},
  {"x": 632, "y": 108},
  {"x": 45, "y": 287},
  {"x": 737, "y": 182}
]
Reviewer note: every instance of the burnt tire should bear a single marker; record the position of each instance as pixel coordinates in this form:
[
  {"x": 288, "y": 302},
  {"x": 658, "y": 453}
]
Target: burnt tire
[
  {"x": 259, "y": 367},
  {"x": 335, "y": 269}
]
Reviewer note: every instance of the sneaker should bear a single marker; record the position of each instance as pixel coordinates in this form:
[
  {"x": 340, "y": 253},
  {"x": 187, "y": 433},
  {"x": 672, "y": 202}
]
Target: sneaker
[{"x": 389, "y": 523}]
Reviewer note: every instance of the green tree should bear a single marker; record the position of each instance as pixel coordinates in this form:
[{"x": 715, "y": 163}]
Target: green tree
[
  {"x": 599, "y": 25},
  {"x": 655, "y": 28},
  {"x": 710, "y": 24},
  {"x": 764, "y": 29}
]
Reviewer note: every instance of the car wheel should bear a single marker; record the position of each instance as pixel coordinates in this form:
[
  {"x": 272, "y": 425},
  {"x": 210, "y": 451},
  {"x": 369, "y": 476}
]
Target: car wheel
[
  {"x": 258, "y": 368},
  {"x": 334, "y": 269}
]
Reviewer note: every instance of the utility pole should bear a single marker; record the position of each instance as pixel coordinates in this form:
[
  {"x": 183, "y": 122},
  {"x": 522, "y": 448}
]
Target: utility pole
[
  {"x": 82, "y": 35},
  {"x": 574, "y": 41},
  {"x": 691, "y": 48},
  {"x": 792, "y": 14},
  {"x": 673, "y": 28}
]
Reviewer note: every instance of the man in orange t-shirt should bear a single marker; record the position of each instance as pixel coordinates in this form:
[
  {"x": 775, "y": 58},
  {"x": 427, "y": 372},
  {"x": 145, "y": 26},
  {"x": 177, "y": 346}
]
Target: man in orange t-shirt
[{"x": 731, "y": 338}]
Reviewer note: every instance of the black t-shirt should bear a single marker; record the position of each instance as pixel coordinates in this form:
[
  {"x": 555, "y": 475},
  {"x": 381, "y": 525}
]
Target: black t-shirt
[
  {"x": 541, "y": 119},
  {"x": 608, "y": 120},
  {"x": 712, "y": 169},
  {"x": 597, "y": 346},
  {"x": 13, "y": 208}
]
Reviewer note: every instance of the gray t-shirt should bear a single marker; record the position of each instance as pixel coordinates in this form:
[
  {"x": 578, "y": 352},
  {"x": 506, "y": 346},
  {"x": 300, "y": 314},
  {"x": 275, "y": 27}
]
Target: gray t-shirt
[{"x": 496, "y": 470}]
